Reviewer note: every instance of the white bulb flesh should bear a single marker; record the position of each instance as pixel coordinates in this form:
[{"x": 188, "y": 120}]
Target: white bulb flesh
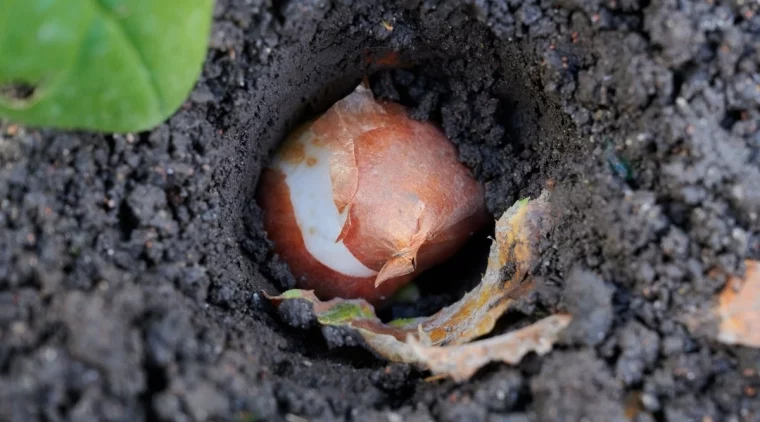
[{"x": 317, "y": 216}]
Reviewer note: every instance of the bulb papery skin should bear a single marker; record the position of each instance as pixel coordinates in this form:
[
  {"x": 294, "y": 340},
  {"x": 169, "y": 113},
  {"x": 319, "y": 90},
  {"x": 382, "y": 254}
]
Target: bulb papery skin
[{"x": 362, "y": 199}]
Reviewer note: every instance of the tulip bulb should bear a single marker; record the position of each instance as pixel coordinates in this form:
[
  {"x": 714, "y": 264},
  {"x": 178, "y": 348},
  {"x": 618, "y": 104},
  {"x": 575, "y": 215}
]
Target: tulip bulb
[{"x": 364, "y": 198}]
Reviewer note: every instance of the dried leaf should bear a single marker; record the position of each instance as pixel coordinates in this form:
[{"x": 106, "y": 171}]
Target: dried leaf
[
  {"x": 515, "y": 248},
  {"x": 462, "y": 361},
  {"x": 739, "y": 308},
  {"x": 513, "y": 254}
]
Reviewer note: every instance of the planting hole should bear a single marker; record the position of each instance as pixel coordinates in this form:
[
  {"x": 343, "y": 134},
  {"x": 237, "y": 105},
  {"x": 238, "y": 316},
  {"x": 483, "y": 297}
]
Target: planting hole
[{"x": 512, "y": 139}]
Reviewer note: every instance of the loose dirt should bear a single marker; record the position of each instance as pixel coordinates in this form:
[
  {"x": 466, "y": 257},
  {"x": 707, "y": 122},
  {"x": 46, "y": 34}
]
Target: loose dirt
[{"x": 130, "y": 265}]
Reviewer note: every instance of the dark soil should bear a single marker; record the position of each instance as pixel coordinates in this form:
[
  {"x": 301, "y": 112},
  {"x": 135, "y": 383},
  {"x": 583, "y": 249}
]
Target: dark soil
[{"x": 130, "y": 265}]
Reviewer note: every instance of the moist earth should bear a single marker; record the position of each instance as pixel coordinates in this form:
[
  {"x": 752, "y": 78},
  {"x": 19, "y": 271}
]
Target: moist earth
[{"x": 131, "y": 265}]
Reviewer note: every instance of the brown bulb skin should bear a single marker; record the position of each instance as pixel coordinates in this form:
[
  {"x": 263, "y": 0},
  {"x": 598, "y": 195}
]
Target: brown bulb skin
[{"x": 395, "y": 202}]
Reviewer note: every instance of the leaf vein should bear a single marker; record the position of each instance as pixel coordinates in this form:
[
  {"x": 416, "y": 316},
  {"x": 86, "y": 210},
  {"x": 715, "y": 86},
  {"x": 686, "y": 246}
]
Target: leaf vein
[{"x": 107, "y": 14}]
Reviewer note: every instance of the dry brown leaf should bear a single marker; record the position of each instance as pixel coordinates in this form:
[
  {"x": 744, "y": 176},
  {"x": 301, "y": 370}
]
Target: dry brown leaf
[
  {"x": 462, "y": 361},
  {"x": 513, "y": 254},
  {"x": 516, "y": 243},
  {"x": 739, "y": 308}
]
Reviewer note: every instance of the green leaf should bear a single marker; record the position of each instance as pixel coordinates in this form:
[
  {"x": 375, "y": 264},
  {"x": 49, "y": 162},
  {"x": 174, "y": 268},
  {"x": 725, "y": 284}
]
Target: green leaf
[
  {"x": 405, "y": 322},
  {"x": 293, "y": 294},
  {"x": 108, "y": 65},
  {"x": 345, "y": 311}
]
